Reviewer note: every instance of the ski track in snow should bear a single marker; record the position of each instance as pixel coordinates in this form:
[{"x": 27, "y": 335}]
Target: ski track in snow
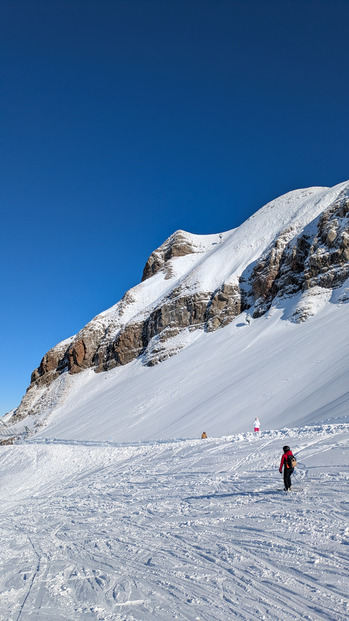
[{"x": 189, "y": 529}]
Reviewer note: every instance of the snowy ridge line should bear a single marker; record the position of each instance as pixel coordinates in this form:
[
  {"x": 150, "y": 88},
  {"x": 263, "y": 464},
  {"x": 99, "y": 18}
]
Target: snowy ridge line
[{"x": 307, "y": 431}]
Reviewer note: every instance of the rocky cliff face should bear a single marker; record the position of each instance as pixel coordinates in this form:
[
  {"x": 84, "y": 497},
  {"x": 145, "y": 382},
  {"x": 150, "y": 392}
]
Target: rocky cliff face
[
  {"x": 297, "y": 243},
  {"x": 318, "y": 256},
  {"x": 178, "y": 245}
]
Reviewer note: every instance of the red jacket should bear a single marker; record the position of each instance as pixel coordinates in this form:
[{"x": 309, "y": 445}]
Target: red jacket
[{"x": 284, "y": 460}]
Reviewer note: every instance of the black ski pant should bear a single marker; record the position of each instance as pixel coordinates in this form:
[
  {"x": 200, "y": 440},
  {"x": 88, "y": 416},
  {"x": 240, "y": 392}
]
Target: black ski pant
[{"x": 287, "y": 477}]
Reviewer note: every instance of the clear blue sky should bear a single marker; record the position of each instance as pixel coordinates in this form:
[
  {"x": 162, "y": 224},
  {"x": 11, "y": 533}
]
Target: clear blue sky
[{"x": 124, "y": 120}]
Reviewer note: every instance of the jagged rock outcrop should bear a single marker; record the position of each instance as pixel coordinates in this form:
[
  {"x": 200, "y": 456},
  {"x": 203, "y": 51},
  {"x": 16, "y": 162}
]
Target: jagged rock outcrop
[
  {"x": 178, "y": 245},
  {"x": 314, "y": 258},
  {"x": 178, "y": 312},
  {"x": 327, "y": 264},
  {"x": 298, "y": 243},
  {"x": 224, "y": 305},
  {"x": 127, "y": 346},
  {"x": 52, "y": 364},
  {"x": 82, "y": 350}
]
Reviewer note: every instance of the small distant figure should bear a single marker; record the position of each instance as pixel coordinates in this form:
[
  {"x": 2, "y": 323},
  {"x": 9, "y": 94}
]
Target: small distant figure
[
  {"x": 220, "y": 237},
  {"x": 288, "y": 462},
  {"x": 248, "y": 319},
  {"x": 203, "y": 435},
  {"x": 256, "y": 425}
]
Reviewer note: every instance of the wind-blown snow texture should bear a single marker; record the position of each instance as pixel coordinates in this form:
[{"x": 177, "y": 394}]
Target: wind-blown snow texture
[{"x": 115, "y": 510}]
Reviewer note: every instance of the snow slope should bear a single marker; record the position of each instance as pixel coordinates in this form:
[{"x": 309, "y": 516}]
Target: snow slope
[
  {"x": 190, "y": 529},
  {"x": 288, "y": 373}
]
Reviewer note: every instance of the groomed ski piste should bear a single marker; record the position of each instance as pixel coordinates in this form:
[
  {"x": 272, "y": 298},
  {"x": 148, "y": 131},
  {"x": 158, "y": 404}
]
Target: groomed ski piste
[{"x": 185, "y": 529}]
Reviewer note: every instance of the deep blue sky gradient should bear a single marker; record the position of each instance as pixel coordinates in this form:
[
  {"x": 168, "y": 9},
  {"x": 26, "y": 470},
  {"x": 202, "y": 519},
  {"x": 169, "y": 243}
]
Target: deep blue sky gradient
[{"x": 124, "y": 120}]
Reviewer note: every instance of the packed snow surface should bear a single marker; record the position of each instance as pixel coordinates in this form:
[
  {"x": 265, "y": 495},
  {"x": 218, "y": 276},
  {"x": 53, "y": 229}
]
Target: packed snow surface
[{"x": 189, "y": 529}]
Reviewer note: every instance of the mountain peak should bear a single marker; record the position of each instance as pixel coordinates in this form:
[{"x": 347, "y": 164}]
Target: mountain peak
[
  {"x": 179, "y": 244},
  {"x": 296, "y": 245}
]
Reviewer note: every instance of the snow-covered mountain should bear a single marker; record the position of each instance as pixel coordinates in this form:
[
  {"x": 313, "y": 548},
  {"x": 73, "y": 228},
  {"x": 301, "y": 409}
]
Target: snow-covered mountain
[
  {"x": 111, "y": 506},
  {"x": 177, "y": 354}
]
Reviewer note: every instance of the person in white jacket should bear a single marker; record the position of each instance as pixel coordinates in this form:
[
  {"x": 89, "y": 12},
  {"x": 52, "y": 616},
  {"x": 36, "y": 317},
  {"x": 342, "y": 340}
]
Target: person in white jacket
[{"x": 256, "y": 425}]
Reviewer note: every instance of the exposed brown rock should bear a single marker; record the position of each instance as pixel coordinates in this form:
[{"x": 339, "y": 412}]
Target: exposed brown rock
[
  {"x": 306, "y": 261},
  {"x": 178, "y": 245},
  {"x": 127, "y": 346},
  {"x": 268, "y": 267},
  {"x": 8, "y": 441},
  {"x": 176, "y": 313},
  {"x": 178, "y": 310},
  {"x": 225, "y": 304},
  {"x": 82, "y": 350},
  {"x": 51, "y": 361},
  {"x": 327, "y": 264}
]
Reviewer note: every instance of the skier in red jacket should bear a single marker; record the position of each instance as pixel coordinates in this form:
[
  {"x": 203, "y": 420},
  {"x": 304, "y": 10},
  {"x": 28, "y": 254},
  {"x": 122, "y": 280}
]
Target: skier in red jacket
[{"x": 287, "y": 468}]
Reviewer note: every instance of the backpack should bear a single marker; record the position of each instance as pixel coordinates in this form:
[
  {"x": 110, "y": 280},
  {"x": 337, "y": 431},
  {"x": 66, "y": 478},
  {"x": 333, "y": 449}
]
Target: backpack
[{"x": 291, "y": 461}]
